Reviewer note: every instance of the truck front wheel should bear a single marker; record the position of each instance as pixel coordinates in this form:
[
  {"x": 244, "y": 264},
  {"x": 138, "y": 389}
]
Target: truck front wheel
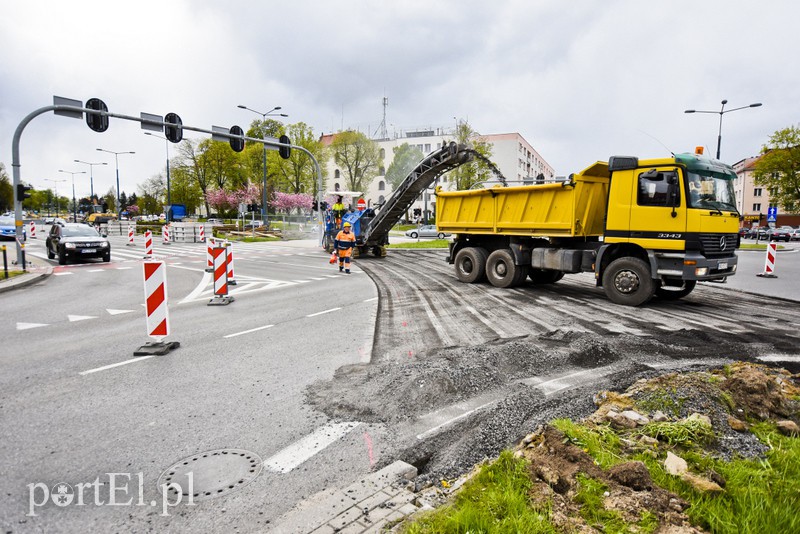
[
  {"x": 627, "y": 281},
  {"x": 471, "y": 264},
  {"x": 502, "y": 271},
  {"x": 675, "y": 293}
]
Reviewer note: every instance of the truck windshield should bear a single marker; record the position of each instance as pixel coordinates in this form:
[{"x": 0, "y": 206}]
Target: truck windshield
[{"x": 707, "y": 192}]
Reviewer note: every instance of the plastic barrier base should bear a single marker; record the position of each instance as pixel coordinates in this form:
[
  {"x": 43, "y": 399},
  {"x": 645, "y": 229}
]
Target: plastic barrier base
[
  {"x": 156, "y": 348},
  {"x": 220, "y": 301}
]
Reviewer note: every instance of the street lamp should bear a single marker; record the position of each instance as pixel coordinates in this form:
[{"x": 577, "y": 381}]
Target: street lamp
[
  {"x": 264, "y": 192},
  {"x": 74, "y": 202},
  {"x": 116, "y": 163},
  {"x": 169, "y": 198},
  {"x": 91, "y": 175},
  {"x": 55, "y": 182},
  {"x": 721, "y": 112}
]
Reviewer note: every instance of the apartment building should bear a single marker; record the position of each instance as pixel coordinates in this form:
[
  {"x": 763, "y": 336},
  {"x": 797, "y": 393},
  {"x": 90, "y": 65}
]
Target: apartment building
[{"x": 752, "y": 200}]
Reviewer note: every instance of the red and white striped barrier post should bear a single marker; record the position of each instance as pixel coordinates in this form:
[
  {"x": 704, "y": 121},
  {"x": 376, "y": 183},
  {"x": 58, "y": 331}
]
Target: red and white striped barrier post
[
  {"x": 769, "y": 264},
  {"x": 155, "y": 298},
  {"x": 229, "y": 249},
  {"x": 209, "y": 257},
  {"x": 221, "y": 297},
  {"x": 148, "y": 244},
  {"x": 165, "y": 233},
  {"x": 33, "y": 230},
  {"x": 202, "y": 234},
  {"x": 130, "y": 237}
]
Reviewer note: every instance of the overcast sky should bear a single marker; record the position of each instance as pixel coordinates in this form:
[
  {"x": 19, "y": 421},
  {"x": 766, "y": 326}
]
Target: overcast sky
[{"x": 580, "y": 80}]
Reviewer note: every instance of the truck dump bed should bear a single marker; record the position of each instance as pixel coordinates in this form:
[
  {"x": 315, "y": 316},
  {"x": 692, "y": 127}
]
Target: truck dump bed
[{"x": 570, "y": 209}]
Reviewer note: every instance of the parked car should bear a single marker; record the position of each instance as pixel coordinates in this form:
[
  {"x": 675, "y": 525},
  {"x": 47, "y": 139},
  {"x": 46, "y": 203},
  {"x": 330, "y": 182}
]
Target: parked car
[
  {"x": 743, "y": 231},
  {"x": 212, "y": 222},
  {"x": 8, "y": 229},
  {"x": 428, "y": 230},
  {"x": 796, "y": 234},
  {"x": 72, "y": 241},
  {"x": 784, "y": 233}
]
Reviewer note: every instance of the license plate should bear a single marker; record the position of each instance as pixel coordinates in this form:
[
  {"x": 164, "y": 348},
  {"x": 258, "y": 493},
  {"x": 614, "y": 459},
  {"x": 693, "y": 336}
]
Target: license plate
[
  {"x": 89, "y": 250},
  {"x": 722, "y": 265}
]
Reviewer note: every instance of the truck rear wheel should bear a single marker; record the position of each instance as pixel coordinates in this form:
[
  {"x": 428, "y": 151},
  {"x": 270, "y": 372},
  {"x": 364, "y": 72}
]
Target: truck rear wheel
[
  {"x": 627, "y": 281},
  {"x": 471, "y": 264},
  {"x": 674, "y": 292},
  {"x": 545, "y": 276},
  {"x": 502, "y": 271}
]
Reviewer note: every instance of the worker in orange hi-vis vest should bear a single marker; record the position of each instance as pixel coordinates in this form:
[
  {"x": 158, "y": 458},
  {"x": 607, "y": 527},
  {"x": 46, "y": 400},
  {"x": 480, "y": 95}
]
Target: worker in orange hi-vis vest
[{"x": 343, "y": 245}]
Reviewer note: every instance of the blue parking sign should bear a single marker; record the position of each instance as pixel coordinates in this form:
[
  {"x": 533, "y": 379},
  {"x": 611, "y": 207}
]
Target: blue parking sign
[{"x": 772, "y": 214}]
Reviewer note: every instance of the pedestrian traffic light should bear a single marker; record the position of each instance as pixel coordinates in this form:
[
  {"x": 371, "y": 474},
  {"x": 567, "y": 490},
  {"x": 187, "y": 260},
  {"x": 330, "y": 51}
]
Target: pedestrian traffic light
[
  {"x": 173, "y": 127},
  {"x": 285, "y": 151},
  {"x": 237, "y": 143},
  {"x": 98, "y": 123},
  {"x": 22, "y": 192}
]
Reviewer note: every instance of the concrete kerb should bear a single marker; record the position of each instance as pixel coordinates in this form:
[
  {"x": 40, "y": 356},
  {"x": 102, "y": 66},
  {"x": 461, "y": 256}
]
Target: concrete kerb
[{"x": 42, "y": 271}]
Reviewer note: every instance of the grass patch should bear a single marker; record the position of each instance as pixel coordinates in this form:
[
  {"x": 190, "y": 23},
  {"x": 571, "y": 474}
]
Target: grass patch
[
  {"x": 590, "y": 497},
  {"x": 685, "y": 433},
  {"x": 430, "y": 243},
  {"x": 11, "y": 274},
  {"x": 753, "y": 246},
  {"x": 252, "y": 239},
  {"x": 404, "y": 227},
  {"x": 601, "y": 443},
  {"x": 496, "y": 500},
  {"x": 660, "y": 400}
]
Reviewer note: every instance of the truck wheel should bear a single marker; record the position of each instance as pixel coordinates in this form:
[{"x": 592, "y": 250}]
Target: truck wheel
[
  {"x": 502, "y": 271},
  {"x": 675, "y": 293},
  {"x": 545, "y": 276},
  {"x": 627, "y": 281},
  {"x": 327, "y": 244},
  {"x": 471, "y": 264}
]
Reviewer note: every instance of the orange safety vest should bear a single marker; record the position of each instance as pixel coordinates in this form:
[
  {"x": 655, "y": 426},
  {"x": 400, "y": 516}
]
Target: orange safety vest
[{"x": 345, "y": 241}]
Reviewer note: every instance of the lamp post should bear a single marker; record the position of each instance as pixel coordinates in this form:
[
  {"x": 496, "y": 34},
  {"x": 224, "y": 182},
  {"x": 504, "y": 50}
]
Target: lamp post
[
  {"x": 264, "y": 192},
  {"x": 169, "y": 197},
  {"x": 116, "y": 163},
  {"x": 91, "y": 175},
  {"x": 721, "y": 112},
  {"x": 74, "y": 202},
  {"x": 55, "y": 183}
]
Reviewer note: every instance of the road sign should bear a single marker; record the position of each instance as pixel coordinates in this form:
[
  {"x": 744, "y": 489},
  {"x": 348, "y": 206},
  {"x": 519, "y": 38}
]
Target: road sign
[
  {"x": 772, "y": 214},
  {"x": 361, "y": 204}
]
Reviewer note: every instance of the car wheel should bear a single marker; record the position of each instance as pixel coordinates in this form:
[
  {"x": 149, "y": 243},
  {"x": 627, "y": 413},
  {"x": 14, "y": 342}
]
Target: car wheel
[
  {"x": 675, "y": 293},
  {"x": 413, "y": 235},
  {"x": 62, "y": 256},
  {"x": 502, "y": 271},
  {"x": 107, "y": 257},
  {"x": 471, "y": 264},
  {"x": 627, "y": 281},
  {"x": 441, "y": 235}
]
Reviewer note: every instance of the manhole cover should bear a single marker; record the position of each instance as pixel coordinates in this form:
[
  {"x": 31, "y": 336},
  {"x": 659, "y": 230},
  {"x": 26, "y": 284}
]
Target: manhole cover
[{"x": 211, "y": 474}]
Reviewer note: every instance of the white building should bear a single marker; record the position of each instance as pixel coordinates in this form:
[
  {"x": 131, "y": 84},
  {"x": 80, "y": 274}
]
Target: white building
[
  {"x": 752, "y": 200},
  {"x": 516, "y": 159}
]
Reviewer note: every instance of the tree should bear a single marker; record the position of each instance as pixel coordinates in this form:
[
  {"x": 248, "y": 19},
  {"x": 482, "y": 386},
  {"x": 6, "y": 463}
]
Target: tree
[
  {"x": 778, "y": 169},
  {"x": 6, "y": 190},
  {"x": 477, "y": 171},
  {"x": 221, "y": 200},
  {"x": 190, "y": 161},
  {"x": 289, "y": 201},
  {"x": 358, "y": 156},
  {"x": 110, "y": 199},
  {"x": 298, "y": 174},
  {"x": 183, "y": 189},
  {"x": 406, "y": 157},
  {"x": 151, "y": 195}
]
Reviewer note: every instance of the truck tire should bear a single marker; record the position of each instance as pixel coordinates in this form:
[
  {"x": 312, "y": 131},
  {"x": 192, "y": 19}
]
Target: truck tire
[
  {"x": 545, "y": 276},
  {"x": 675, "y": 293},
  {"x": 502, "y": 271},
  {"x": 627, "y": 281},
  {"x": 327, "y": 243},
  {"x": 471, "y": 264}
]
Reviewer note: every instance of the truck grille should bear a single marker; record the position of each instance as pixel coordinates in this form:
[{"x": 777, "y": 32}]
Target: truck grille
[{"x": 719, "y": 244}]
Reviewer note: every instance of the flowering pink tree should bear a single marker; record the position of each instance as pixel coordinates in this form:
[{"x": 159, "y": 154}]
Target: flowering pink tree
[
  {"x": 286, "y": 202},
  {"x": 133, "y": 210},
  {"x": 247, "y": 195},
  {"x": 220, "y": 200}
]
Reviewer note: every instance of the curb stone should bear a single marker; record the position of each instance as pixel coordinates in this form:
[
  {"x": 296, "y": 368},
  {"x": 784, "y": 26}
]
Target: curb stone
[
  {"x": 25, "y": 280},
  {"x": 366, "y": 506}
]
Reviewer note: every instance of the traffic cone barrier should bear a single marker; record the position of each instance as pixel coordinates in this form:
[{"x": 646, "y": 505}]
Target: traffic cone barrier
[
  {"x": 130, "y": 237},
  {"x": 33, "y": 230},
  {"x": 202, "y": 234},
  {"x": 148, "y": 244},
  {"x": 209, "y": 255},
  {"x": 155, "y": 297},
  {"x": 221, "y": 297},
  {"x": 769, "y": 264},
  {"x": 231, "y": 279},
  {"x": 165, "y": 234}
]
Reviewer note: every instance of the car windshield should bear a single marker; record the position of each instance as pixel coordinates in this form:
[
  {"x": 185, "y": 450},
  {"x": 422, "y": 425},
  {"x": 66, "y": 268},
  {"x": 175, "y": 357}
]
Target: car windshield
[
  {"x": 76, "y": 231},
  {"x": 6, "y": 221},
  {"x": 710, "y": 192}
]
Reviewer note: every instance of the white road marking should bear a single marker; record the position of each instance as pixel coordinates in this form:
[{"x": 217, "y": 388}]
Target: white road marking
[
  {"x": 301, "y": 281},
  {"x": 74, "y": 318},
  {"x": 320, "y": 313},
  {"x": 300, "y": 451},
  {"x": 248, "y": 331},
  {"x": 126, "y": 362},
  {"x": 370, "y": 300},
  {"x": 199, "y": 289},
  {"x": 28, "y": 326},
  {"x": 63, "y": 274},
  {"x": 779, "y": 358},
  {"x": 117, "y": 312},
  {"x": 187, "y": 268},
  {"x": 453, "y": 420},
  {"x": 318, "y": 279},
  {"x": 95, "y": 270},
  {"x": 123, "y": 268}
]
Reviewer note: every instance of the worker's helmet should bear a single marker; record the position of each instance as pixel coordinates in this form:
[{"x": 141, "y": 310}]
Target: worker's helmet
[{"x": 347, "y": 225}]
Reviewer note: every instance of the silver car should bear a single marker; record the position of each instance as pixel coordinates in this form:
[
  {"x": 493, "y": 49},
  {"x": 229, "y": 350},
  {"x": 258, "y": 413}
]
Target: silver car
[{"x": 428, "y": 230}]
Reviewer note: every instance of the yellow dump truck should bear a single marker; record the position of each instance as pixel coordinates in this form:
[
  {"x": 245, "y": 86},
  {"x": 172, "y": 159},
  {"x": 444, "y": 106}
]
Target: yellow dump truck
[{"x": 644, "y": 227}]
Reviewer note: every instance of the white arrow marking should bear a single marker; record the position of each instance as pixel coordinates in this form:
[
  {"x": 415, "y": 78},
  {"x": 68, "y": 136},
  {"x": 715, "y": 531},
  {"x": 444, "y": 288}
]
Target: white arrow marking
[
  {"x": 117, "y": 312},
  {"x": 73, "y": 318},
  {"x": 26, "y": 326}
]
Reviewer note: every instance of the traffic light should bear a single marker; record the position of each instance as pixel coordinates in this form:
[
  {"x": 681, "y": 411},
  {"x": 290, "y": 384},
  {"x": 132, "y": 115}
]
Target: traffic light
[
  {"x": 98, "y": 123},
  {"x": 173, "y": 127},
  {"x": 22, "y": 192},
  {"x": 324, "y": 205},
  {"x": 237, "y": 144},
  {"x": 285, "y": 151},
  {"x": 418, "y": 212},
  {"x": 314, "y": 206}
]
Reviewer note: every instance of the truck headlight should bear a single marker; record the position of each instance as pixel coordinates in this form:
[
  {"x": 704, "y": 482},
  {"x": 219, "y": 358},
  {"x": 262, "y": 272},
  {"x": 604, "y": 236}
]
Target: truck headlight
[{"x": 701, "y": 271}]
